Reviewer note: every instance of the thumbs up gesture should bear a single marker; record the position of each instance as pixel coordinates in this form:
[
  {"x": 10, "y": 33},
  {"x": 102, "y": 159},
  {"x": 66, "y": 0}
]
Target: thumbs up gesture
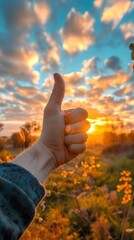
[
  {"x": 63, "y": 132},
  {"x": 62, "y": 138}
]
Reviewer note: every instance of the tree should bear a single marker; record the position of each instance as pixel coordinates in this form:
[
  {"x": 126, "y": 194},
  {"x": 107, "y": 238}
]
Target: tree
[
  {"x": 109, "y": 138},
  {"x": 32, "y": 127},
  {"x": 29, "y": 131},
  {"x": 131, "y": 137},
  {"x": 1, "y": 139},
  {"x": 1, "y": 126},
  {"x": 17, "y": 140},
  {"x": 122, "y": 131}
]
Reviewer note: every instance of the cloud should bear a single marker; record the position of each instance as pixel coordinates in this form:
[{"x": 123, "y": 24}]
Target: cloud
[
  {"x": 74, "y": 78},
  {"x": 95, "y": 92},
  {"x": 7, "y": 87},
  {"x": 29, "y": 98},
  {"x": 42, "y": 11},
  {"x": 131, "y": 101},
  {"x": 113, "y": 63},
  {"x": 28, "y": 44},
  {"x": 3, "y": 104},
  {"x": 21, "y": 102},
  {"x": 2, "y": 84},
  {"x": 23, "y": 14},
  {"x": 18, "y": 54},
  {"x": 72, "y": 81},
  {"x": 26, "y": 91},
  {"x": 82, "y": 102},
  {"x": 109, "y": 106},
  {"x": 98, "y": 3},
  {"x": 125, "y": 90},
  {"x": 94, "y": 113},
  {"x": 90, "y": 66},
  {"x": 77, "y": 33},
  {"x": 48, "y": 84},
  {"x": 127, "y": 30},
  {"x": 17, "y": 15},
  {"x": 51, "y": 59},
  {"x": 74, "y": 84},
  {"x": 19, "y": 64},
  {"x": 110, "y": 81},
  {"x": 71, "y": 103},
  {"x": 115, "y": 11},
  {"x": 80, "y": 91}
]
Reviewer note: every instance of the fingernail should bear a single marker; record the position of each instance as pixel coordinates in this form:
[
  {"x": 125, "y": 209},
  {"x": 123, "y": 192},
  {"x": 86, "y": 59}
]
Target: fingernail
[{"x": 68, "y": 128}]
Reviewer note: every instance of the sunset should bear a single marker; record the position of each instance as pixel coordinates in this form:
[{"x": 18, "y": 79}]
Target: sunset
[
  {"x": 79, "y": 39},
  {"x": 67, "y": 119}
]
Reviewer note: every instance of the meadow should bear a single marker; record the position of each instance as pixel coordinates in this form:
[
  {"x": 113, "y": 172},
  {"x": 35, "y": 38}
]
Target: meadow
[{"x": 89, "y": 198}]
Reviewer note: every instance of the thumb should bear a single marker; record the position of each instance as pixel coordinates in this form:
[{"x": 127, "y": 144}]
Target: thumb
[{"x": 58, "y": 91}]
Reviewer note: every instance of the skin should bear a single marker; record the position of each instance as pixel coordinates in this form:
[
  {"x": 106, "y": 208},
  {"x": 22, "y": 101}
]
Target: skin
[{"x": 63, "y": 136}]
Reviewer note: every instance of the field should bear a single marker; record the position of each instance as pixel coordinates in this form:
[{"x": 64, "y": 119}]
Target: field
[{"x": 88, "y": 199}]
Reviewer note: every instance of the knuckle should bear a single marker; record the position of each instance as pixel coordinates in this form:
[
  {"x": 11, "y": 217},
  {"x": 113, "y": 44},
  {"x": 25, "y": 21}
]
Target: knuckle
[
  {"x": 83, "y": 112},
  {"x": 86, "y": 113},
  {"x": 67, "y": 140},
  {"x": 71, "y": 148},
  {"x": 87, "y": 123},
  {"x": 84, "y": 147},
  {"x": 85, "y": 137}
]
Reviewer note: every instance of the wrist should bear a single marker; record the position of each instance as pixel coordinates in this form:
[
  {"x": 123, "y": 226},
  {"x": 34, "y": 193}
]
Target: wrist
[
  {"x": 38, "y": 160},
  {"x": 45, "y": 156}
]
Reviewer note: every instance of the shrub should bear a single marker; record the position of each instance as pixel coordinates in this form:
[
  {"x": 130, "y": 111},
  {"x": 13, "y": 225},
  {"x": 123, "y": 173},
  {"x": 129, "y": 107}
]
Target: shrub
[{"x": 5, "y": 156}]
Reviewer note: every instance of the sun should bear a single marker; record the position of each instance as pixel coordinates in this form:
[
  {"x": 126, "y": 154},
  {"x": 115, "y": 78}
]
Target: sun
[{"x": 91, "y": 129}]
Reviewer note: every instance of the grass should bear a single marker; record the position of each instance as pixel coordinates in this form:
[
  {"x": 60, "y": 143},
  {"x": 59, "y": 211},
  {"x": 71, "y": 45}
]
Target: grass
[
  {"x": 14, "y": 151},
  {"x": 82, "y": 202}
]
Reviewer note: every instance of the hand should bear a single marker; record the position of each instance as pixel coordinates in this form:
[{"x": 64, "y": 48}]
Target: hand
[
  {"x": 63, "y": 136},
  {"x": 63, "y": 132}
]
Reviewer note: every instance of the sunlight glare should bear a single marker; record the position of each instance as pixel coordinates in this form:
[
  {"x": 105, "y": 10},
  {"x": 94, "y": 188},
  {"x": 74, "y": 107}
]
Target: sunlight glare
[{"x": 91, "y": 129}]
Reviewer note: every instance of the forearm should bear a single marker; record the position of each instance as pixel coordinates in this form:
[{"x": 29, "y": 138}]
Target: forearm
[{"x": 38, "y": 160}]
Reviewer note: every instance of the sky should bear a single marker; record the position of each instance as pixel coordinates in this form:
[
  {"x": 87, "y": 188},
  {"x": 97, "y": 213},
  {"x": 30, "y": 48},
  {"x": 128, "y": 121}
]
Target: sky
[{"x": 86, "y": 41}]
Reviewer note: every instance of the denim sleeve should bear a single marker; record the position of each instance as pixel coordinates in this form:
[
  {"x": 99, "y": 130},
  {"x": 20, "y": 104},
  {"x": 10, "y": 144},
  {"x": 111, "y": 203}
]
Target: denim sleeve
[{"x": 20, "y": 193}]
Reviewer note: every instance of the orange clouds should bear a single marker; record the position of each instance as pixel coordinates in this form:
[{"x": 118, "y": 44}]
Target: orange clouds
[
  {"x": 73, "y": 82},
  {"x": 41, "y": 37},
  {"x": 95, "y": 92},
  {"x": 98, "y": 3},
  {"x": 29, "y": 57},
  {"x": 125, "y": 90},
  {"x": 73, "y": 78},
  {"x": 115, "y": 12},
  {"x": 42, "y": 11},
  {"x": 77, "y": 33},
  {"x": 93, "y": 113},
  {"x": 90, "y": 66},
  {"x": 80, "y": 91},
  {"x": 128, "y": 30},
  {"x": 105, "y": 82}
]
